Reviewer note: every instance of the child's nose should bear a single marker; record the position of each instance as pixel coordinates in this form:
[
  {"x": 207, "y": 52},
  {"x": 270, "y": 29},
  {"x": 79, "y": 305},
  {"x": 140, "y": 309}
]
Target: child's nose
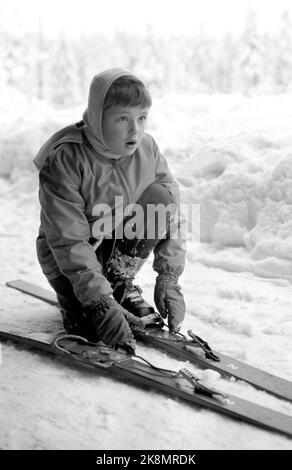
[{"x": 134, "y": 126}]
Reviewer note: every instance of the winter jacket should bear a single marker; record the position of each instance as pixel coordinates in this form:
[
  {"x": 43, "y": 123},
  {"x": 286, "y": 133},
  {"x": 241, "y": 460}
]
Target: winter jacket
[{"x": 77, "y": 171}]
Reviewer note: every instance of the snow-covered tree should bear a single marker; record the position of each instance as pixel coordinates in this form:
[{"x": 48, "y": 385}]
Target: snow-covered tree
[
  {"x": 225, "y": 64},
  {"x": 201, "y": 64},
  {"x": 40, "y": 57},
  {"x": 14, "y": 49},
  {"x": 153, "y": 59},
  {"x": 64, "y": 82},
  {"x": 283, "y": 63},
  {"x": 250, "y": 58}
]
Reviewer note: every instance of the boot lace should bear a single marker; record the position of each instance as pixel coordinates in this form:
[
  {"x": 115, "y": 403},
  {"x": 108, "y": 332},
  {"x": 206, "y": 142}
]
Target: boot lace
[{"x": 131, "y": 292}]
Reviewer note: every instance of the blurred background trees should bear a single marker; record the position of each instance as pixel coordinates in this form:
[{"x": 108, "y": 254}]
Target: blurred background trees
[{"x": 59, "y": 70}]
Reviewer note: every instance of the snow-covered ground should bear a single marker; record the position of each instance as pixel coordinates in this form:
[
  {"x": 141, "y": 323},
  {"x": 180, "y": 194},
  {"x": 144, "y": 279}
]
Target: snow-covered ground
[{"x": 233, "y": 156}]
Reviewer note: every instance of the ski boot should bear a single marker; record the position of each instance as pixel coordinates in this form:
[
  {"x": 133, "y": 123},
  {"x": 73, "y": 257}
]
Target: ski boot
[
  {"x": 130, "y": 298},
  {"x": 121, "y": 270}
]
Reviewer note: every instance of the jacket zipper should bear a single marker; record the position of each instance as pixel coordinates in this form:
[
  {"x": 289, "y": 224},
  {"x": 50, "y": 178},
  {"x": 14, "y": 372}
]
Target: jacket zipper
[{"x": 116, "y": 166}]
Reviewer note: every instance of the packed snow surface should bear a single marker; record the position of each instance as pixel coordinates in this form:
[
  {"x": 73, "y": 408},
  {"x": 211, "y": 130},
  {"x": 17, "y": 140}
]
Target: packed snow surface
[{"x": 232, "y": 155}]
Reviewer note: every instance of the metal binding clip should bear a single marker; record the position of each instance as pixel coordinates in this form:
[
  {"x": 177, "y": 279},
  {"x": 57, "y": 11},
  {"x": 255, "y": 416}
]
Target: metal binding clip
[
  {"x": 204, "y": 346},
  {"x": 199, "y": 387}
]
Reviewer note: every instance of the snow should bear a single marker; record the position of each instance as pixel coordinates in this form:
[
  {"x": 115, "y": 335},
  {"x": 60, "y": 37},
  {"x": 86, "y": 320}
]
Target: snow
[{"x": 233, "y": 156}]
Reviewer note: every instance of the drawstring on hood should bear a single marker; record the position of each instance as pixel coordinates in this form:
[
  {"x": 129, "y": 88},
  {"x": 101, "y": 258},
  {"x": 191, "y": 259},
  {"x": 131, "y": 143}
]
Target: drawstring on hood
[{"x": 92, "y": 118}]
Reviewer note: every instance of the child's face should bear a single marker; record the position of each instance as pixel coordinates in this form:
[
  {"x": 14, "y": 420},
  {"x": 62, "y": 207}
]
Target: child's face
[{"x": 123, "y": 128}]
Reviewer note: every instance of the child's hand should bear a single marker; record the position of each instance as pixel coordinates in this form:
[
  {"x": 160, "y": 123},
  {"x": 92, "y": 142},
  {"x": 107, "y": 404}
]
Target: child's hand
[
  {"x": 112, "y": 324},
  {"x": 169, "y": 300}
]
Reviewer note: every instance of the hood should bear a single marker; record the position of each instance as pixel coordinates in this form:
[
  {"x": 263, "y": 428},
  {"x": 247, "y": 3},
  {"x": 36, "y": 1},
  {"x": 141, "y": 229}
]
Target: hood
[{"x": 92, "y": 116}]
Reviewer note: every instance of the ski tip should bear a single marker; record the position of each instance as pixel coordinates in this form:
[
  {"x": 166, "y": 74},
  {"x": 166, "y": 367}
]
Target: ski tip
[{"x": 11, "y": 283}]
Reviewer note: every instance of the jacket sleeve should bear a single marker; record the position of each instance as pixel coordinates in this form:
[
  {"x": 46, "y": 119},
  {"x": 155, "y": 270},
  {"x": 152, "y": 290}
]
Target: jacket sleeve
[
  {"x": 169, "y": 254},
  {"x": 67, "y": 229}
]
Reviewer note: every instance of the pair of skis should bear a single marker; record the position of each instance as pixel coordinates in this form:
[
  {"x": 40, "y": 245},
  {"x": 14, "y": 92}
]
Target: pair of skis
[{"x": 182, "y": 384}]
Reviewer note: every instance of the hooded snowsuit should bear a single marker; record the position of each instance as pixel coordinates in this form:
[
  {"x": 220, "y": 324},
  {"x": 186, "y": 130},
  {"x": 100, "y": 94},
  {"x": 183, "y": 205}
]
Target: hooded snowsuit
[{"x": 77, "y": 172}]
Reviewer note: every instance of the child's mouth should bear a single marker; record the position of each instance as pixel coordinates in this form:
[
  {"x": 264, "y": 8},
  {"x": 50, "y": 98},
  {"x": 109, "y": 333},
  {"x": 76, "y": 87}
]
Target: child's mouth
[{"x": 131, "y": 143}]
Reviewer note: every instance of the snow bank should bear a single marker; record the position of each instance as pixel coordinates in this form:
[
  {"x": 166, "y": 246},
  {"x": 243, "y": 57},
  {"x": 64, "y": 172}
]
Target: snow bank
[
  {"x": 26, "y": 124},
  {"x": 236, "y": 163}
]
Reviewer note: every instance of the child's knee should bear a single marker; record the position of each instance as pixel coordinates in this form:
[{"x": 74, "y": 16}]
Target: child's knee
[{"x": 156, "y": 193}]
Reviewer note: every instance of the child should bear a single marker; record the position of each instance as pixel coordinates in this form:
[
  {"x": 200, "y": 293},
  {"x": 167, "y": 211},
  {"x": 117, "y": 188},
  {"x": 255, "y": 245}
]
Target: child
[{"x": 107, "y": 161}]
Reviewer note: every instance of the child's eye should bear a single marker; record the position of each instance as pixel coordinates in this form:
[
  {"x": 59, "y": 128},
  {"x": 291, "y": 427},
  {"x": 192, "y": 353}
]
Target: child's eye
[
  {"x": 143, "y": 118},
  {"x": 123, "y": 118}
]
